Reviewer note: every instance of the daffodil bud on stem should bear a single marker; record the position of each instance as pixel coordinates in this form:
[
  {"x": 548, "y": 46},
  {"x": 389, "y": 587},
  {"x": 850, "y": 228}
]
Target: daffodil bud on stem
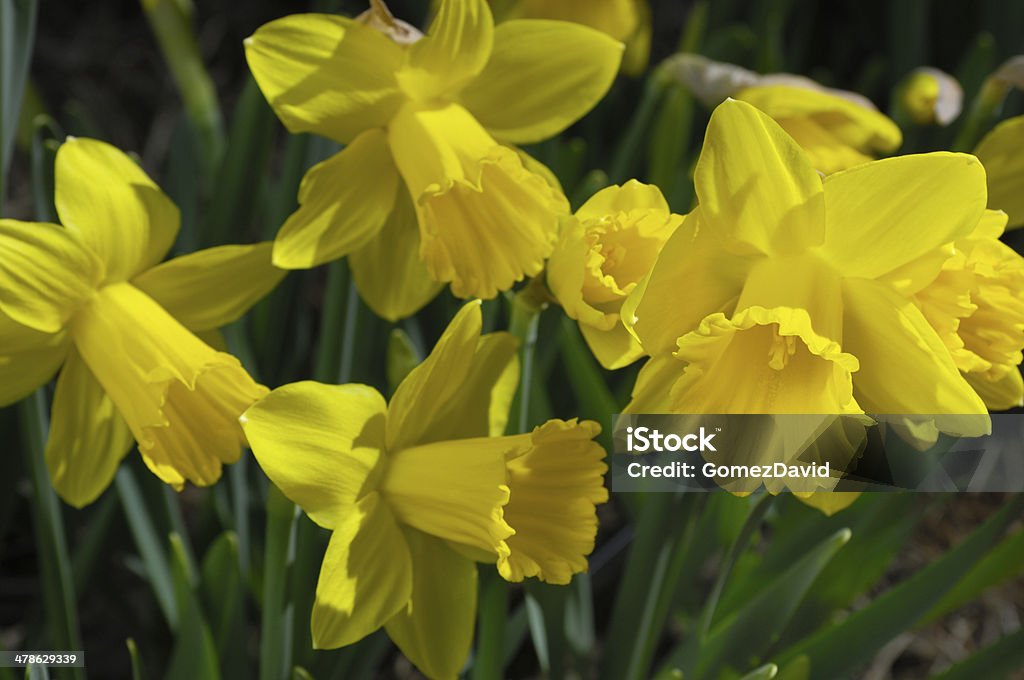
[{"x": 524, "y": 316}]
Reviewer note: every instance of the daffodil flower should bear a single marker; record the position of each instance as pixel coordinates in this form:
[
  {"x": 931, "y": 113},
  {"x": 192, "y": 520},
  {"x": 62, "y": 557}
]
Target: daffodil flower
[
  {"x": 781, "y": 292},
  {"x": 604, "y": 251},
  {"x": 837, "y": 129},
  {"x": 416, "y": 490},
  {"x": 426, "y": 122},
  {"x": 92, "y": 296},
  {"x": 628, "y": 21}
]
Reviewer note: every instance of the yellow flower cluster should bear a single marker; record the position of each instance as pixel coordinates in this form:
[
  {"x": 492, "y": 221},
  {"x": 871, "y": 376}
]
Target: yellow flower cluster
[{"x": 808, "y": 278}]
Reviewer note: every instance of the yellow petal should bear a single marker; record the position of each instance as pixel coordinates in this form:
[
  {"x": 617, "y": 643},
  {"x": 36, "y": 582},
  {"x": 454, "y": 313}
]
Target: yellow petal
[
  {"x": 180, "y": 398},
  {"x": 113, "y": 207},
  {"x": 763, "y": 361},
  {"x": 485, "y": 220},
  {"x": 652, "y": 391},
  {"x": 604, "y": 253},
  {"x": 617, "y": 18},
  {"x": 88, "y": 437},
  {"x": 904, "y": 367},
  {"x": 344, "y": 202},
  {"x": 213, "y": 287},
  {"x": 884, "y": 214},
  {"x": 555, "y": 486},
  {"x": 480, "y": 407},
  {"x": 45, "y": 274},
  {"x": 435, "y": 631},
  {"x": 388, "y": 272},
  {"x": 326, "y": 74},
  {"x": 452, "y": 53},
  {"x": 558, "y": 71},
  {"x": 320, "y": 444},
  {"x": 432, "y": 385},
  {"x": 453, "y": 490},
  {"x": 828, "y": 153},
  {"x": 845, "y": 119},
  {"x": 567, "y": 273},
  {"x": 632, "y": 195},
  {"x": 1001, "y": 151},
  {"x": 1001, "y": 394},
  {"x": 696, "y": 274},
  {"x": 755, "y": 185},
  {"x": 28, "y": 359},
  {"x": 614, "y": 348},
  {"x": 366, "y": 576}
]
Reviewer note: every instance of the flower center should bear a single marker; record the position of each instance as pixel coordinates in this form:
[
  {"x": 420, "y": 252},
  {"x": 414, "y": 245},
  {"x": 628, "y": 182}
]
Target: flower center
[{"x": 780, "y": 349}]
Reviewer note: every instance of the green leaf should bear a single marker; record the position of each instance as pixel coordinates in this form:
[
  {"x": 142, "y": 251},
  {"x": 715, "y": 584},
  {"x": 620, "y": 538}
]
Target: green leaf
[
  {"x": 653, "y": 571},
  {"x": 998, "y": 566},
  {"x": 838, "y": 651},
  {"x": 148, "y": 543},
  {"x": 545, "y": 609},
  {"x": 766, "y": 672},
  {"x": 171, "y": 21},
  {"x": 242, "y": 167},
  {"x": 881, "y": 524},
  {"x": 133, "y": 655},
  {"x": 17, "y": 35},
  {"x": 998, "y": 660},
  {"x": 277, "y": 617},
  {"x": 194, "y": 656},
  {"x": 489, "y": 657},
  {"x": 300, "y": 673},
  {"x": 222, "y": 592},
  {"x": 55, "y": 566},
  {"x": 749, "y": 631}
]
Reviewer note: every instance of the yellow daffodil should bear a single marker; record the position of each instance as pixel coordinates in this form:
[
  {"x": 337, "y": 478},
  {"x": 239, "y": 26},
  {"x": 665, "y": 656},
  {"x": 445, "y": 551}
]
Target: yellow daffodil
[
  {"x": 780, "y": 293},
  {"x": 1002, "y": 153},
  {"x": 92, "y": 297},
  {"x": 418, "y": 489},
  {"x": 931, "y": 97},
  {"x": 976, "y": 304},
  {"x": 604, "y": 251},
  {"x": 836, "y": 128},
  {"x": 426, "y": 122},
  {"x": 628, "y": 21}
]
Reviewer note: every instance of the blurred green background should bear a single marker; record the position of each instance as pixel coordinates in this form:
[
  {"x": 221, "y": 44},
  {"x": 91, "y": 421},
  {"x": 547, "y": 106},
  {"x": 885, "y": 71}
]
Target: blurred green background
[{"x": 218, "y": 582}]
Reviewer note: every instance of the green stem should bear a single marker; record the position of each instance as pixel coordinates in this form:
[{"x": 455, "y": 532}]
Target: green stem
[
  {"x": 55, "y": 565},
  {"x": 277, "y": 618}
]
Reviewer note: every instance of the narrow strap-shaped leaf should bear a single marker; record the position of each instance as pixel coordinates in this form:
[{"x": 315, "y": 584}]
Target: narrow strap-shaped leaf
[{"x": 838, "y": 651}]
